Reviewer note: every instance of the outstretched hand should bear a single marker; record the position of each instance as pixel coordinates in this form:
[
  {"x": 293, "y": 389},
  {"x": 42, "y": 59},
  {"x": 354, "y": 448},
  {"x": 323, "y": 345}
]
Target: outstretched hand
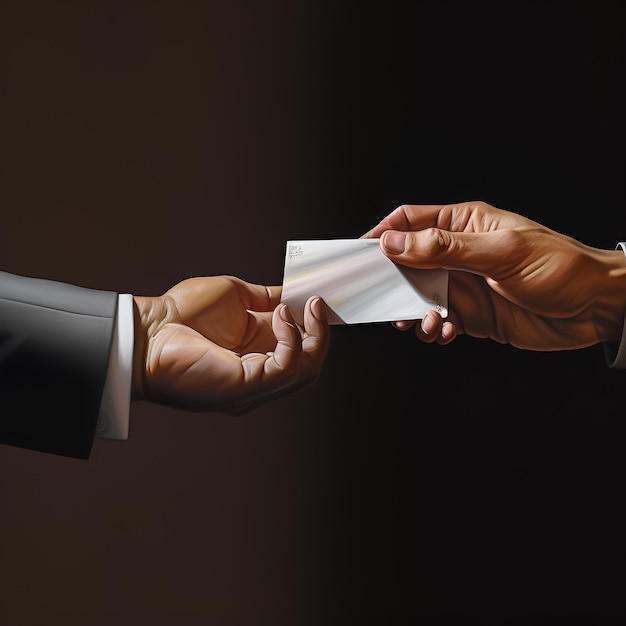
[
  {"x": 220, "y": 343},
  {"x": 511, "y": 279}
]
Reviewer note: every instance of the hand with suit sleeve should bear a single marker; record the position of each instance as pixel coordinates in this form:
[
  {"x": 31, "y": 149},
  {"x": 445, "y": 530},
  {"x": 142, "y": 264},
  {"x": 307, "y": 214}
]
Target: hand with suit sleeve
[
  {"x": 220, "y": 343},
  {"x": 71, "y": 358},
  {"x": 511, "y": 279}
]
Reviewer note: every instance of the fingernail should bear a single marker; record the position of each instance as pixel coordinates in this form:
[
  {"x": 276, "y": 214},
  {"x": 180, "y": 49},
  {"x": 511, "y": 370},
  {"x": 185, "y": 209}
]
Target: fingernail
[
  {"x": 447, "y": 332},
  {"x": 285, "y": 314},
  {"x": 319, "y": 309},
  {"x": 428, "y": 324},
  {"x": 394, "y": 242}
]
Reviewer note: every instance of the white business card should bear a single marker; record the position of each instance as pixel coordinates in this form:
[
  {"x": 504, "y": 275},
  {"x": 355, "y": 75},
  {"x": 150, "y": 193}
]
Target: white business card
[{"x": 358, "y": 283}]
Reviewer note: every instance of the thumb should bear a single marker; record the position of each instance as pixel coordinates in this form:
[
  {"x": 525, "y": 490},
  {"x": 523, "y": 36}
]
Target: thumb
[
  {"x": 422, "y": 249},
  {"x": 479, "y": 253}
]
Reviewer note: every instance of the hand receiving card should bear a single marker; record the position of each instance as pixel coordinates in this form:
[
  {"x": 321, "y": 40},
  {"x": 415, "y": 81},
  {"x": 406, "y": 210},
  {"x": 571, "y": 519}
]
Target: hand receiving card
[{"x": 358, "y": 283}]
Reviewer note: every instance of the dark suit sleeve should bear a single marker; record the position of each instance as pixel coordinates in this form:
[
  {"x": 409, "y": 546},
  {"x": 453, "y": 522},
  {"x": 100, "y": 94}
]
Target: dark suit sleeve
[{"x": 55, "y": 341}]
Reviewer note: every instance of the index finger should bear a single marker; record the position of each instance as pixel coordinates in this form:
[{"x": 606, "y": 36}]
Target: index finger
[
  {"x": 407, "y": 217},
  {"x": 292, "y": 365}
]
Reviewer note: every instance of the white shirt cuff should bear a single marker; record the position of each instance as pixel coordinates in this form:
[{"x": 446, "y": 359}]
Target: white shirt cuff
[
  {"x": 114, "y": 418},
  {"x": 615, "y": 353}
]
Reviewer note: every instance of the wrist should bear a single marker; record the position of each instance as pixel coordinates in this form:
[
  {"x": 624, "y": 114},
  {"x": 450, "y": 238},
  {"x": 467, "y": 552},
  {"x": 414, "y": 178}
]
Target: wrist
[
  {"x": 611, "y": 301},
  {"x": 150, "y": 314},
  {"x": 141, "y": 309}
]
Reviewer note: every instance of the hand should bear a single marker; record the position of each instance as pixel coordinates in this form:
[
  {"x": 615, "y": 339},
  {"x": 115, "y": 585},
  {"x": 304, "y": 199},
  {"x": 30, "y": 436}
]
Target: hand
[
  {"x": 511, "y": 279},
  {"x": 220, "y": 343}
]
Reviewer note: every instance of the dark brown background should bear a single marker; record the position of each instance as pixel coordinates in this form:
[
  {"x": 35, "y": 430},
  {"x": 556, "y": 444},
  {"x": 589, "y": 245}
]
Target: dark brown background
[{"x": 145, "y": 142}]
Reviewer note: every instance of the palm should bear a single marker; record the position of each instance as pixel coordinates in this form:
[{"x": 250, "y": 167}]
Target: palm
[
  {"x": 481, "y": 312},
  {"x": 219, "y": 345}
]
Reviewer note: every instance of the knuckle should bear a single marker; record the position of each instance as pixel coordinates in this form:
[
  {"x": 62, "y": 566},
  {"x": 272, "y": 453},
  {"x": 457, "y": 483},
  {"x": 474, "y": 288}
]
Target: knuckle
[
  {"x": 434, "y": 241},
  {"x": 404, "y": 210}
]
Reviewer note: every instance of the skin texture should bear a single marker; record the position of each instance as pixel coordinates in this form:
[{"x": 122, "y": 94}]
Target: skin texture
[
  {"x": 511, "y": 279},
  {"x": 219, "y": 343}
]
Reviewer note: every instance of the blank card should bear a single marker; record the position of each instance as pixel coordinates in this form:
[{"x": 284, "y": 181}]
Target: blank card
[{"x": 358, "y": 283}]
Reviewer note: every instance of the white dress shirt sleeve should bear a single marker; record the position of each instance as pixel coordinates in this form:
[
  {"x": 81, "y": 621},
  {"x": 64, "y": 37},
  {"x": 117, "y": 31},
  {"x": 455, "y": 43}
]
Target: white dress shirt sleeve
[
  {"x": 616, "y": 352},
  {"x": 114, "y": 418}
]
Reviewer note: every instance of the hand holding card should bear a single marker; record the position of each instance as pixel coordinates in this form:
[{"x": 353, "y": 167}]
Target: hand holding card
[{"x": 358, "y": 283}]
